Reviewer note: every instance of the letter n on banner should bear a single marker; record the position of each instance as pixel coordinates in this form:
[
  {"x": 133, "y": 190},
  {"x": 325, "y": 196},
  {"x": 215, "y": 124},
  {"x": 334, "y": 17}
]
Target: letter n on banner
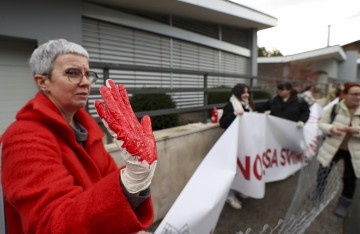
[{"x": 251, "y": 145}]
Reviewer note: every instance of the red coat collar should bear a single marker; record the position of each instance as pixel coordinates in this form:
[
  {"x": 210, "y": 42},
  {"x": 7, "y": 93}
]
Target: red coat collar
[{"x": 42, "y": 109}]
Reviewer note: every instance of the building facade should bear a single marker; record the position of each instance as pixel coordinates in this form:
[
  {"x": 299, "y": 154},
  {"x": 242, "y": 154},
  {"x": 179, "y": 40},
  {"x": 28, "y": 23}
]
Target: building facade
[{"x": 168, "y": 44}]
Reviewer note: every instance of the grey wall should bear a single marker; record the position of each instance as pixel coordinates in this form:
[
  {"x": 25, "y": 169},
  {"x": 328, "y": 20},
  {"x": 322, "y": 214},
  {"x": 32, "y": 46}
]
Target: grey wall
[
  {"x": 17, "y": 85},
  {"x": 41, "y": 20},
  {"x": 180, "y": 152},
  {"x": 348, "y": 68}
]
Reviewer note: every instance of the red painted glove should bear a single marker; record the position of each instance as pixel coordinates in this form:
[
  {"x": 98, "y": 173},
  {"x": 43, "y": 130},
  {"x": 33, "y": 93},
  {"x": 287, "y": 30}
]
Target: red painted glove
[{"x": 136, "y": 141}]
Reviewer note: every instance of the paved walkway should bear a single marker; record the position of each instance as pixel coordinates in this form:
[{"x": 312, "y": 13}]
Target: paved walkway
[
  {"x": 352, "y": 221},
  {"x": 271, "y": 208},
  {"x": 255, "y": 213}
]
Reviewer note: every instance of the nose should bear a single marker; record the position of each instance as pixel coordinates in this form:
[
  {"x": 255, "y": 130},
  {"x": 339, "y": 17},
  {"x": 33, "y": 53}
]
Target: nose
[{"x": 84, "y": 80}]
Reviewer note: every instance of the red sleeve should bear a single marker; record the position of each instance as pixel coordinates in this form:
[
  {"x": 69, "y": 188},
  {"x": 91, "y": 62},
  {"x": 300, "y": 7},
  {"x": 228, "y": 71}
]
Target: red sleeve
[{"x": 44, "y": 194}]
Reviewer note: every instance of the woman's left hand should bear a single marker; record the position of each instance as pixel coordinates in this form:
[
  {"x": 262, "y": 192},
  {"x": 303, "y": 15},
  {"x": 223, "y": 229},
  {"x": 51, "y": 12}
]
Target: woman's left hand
[
  {"x": 138, "y": 138},
  {"x": 136, "y": 141}
]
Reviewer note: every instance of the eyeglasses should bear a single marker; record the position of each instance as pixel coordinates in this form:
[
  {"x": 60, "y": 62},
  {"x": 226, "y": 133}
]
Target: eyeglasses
[
  {"x": 354, "y": 94},
  {"x": 75, "y": 75}
]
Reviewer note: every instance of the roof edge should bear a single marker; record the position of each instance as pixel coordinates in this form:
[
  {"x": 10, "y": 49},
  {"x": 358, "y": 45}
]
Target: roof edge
[{"x": 335, "y": 52}]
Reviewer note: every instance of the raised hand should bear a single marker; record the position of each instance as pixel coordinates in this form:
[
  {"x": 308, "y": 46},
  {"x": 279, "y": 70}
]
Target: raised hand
[{"x": 136, "y": 141}]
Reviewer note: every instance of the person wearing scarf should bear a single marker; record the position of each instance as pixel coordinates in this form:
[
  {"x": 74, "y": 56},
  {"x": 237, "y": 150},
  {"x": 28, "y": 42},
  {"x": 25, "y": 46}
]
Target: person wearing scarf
[{"x": 238, "y": 104}]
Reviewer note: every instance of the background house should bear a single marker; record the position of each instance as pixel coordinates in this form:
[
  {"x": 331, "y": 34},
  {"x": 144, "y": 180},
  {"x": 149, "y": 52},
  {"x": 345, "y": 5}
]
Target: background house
[
  {"x": 173, "y": 45},
  {"x": 322, "y": 68},
  {"x": 355, "y": 47}
]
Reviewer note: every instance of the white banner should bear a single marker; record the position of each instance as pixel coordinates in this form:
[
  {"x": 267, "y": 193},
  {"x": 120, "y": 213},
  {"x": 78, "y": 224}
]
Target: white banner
[
  {"x": 254, "y": 150},
  {"x": 271, "y": 149},
  {"x": 199, "y": 205}
]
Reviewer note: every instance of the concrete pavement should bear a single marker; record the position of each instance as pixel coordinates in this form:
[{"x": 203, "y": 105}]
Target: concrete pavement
[
  {"x": 352, "y": 221},
  {"x": 258, "y": 212}
]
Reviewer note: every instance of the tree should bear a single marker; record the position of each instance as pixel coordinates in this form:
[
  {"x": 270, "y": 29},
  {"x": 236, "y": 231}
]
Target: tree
[
  {"x": 262, "y": 52},
  {"x": 301, "y": 72}
]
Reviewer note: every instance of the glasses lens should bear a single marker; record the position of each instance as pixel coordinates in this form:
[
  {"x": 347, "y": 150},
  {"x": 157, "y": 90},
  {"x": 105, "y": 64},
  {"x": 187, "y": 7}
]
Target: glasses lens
[
  {"x": 74, "y": 74},
  {"x": 92, "y": 76}
]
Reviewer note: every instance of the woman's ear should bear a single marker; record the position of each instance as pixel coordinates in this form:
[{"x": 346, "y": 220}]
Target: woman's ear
[{"x": 42, "y": 82}]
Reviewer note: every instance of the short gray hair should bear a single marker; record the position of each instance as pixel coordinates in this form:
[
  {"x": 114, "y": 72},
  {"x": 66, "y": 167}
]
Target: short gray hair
[{"x": 43, "y": 57}]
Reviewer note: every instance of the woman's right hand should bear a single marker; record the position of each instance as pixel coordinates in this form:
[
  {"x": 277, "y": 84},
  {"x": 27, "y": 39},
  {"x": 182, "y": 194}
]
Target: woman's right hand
[{"x": 337, "y": 131}]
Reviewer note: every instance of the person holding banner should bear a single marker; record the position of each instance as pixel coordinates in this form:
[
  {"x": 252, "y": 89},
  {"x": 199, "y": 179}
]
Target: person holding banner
[
  {"x": 238, "y": 104},
  {"x": 287, "y": 105},
  {"x": 57, "y": 176},
  {"x": 342, "y": 142}
]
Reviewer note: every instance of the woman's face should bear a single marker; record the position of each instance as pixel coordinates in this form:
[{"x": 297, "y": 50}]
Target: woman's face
[
  {"x": 68, "y": 94},
  {"x": 352, "y": 98},
  {"x": 245, "y": 95},
  {"x": 284, "y": 93}
]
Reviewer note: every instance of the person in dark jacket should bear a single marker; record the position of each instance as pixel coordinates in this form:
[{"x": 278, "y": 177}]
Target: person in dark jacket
[
  {"x": 238, "y": 104},
  {"x": 287, "y": 105}
]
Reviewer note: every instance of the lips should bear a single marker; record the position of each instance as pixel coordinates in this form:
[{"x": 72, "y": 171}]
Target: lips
[{"x": 83, "y": 94}]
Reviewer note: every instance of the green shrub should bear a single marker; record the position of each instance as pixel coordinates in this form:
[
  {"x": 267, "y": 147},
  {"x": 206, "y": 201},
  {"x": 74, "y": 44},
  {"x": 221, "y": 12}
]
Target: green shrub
[
  {"x": 157, "y": 101},
  {"x": 219, "y": 97},
  {"x": 260, "y": 94},
  {"x": 223, "y": 97}
]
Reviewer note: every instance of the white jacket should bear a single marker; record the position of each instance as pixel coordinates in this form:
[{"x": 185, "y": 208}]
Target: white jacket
[{"x": 332, "y": 142}]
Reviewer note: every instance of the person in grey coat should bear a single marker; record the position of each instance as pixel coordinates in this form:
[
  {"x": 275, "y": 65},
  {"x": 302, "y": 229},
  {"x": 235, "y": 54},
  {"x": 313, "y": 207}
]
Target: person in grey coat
[{"x": 342, "y": 142}]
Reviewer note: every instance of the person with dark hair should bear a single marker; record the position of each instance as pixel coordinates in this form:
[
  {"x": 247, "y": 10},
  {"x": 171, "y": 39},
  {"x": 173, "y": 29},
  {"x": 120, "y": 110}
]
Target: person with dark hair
[
  {"x": 56, "y": 174},
  {"x": 342, "y": 142},
  {"x": 238, "y": 104},
  {"x": 287, "y": 105}
]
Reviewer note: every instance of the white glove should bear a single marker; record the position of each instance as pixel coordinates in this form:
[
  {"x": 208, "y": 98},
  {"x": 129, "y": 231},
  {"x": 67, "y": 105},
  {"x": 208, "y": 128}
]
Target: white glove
[
  {"x": 239, "y": 112},
  {"x": 137, "y": 174},
  {"x": 136, "y": 141},
  {"x": 300, "y": 124}
]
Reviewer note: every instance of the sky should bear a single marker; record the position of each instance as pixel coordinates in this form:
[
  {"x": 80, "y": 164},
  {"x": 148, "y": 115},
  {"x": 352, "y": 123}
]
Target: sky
[{"x": 303, "y": 25}]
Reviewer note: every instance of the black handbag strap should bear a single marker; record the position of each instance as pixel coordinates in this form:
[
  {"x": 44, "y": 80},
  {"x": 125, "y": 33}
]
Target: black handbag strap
[{"x": 333, "y": 113}]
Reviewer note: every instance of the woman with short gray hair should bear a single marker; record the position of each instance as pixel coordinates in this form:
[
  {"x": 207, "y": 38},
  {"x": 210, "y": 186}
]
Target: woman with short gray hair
[{"x": 57, "y": 176}]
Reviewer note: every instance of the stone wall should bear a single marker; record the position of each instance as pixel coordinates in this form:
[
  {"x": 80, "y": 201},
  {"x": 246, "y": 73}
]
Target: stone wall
[{"x": 180, "y": 152}]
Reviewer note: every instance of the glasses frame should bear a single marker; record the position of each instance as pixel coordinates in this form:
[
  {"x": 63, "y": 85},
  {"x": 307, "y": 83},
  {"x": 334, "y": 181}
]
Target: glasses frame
[
  {"x": 354, "y": 94},
  {"x": 91, "y": 76}
]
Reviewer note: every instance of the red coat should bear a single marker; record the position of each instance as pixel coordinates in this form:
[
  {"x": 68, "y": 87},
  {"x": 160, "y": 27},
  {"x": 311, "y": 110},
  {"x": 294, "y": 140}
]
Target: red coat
[{"x": 53, "y": 185}]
